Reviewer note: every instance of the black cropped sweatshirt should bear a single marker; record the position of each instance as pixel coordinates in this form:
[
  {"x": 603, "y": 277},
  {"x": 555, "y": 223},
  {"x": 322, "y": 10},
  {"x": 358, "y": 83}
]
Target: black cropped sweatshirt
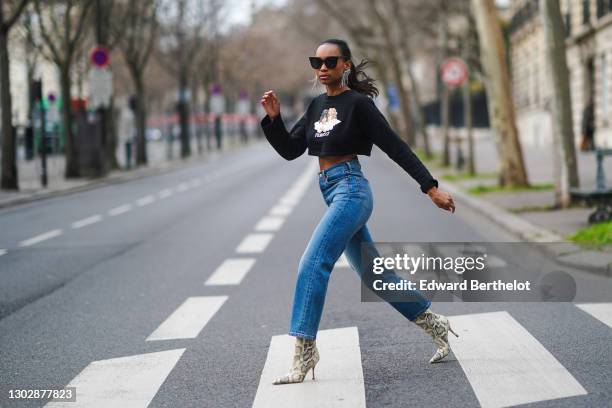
[{"x": 347, "y": 123}]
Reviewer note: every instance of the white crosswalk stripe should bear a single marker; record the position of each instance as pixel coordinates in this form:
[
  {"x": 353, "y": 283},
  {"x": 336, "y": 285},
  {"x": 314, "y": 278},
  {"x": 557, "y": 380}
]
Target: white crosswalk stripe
[
  {"x": 338, "y": 380},
  {"x": 600, "y": 311},
  {"x": 231, "y": 271},
  {"x": 505, "y": 364},
  {"x": 342, "y": 262},
  {"x": 130, "y": 381},
  {"x": 188, "y": 319}
]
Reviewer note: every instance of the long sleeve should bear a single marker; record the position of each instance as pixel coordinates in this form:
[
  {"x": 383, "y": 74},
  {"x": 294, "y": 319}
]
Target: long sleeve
[
  {"x": 290, "y": 145},
  {"x": 378, "y": 130}
]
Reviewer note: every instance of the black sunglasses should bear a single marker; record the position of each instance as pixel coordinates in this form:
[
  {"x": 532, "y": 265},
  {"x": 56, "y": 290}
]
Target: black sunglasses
[{"x": 330, "y": 62}]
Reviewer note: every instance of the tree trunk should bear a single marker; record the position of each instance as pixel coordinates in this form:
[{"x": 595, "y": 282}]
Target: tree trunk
[
  {"x": 381, "y": 71},
  {"x": 111, "y": 141},
  {"x": 9, "y": 156},
  {"x": 141, "y": 122},
  {"x": 467, "y": 119},
  {"x": 501, "y": 106},
  {"x": 183, "y": 111},
  {"x": 70, "y": 153},
  {"x": 445, "y": 96},
  {"x": 420, "y": 112},
  {"x": 420, "y": 126},
  {"x": 391, "y": 51},
  {"x": 563, "y": 127},
  {"x": 467, "y": 110}
]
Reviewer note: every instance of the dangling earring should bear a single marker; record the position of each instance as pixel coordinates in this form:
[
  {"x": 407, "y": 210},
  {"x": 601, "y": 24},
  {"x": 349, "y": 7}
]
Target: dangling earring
[
  {"x": 345, "y": 76},
  {"x": 316, "y": 84}
]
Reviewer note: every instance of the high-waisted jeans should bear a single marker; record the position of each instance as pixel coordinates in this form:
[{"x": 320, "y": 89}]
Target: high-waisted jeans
[{"x": 343, "y": 228}]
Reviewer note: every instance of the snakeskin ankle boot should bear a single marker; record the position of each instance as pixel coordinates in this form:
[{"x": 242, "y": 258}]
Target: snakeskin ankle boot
[
  {"x": 438, "y": 327},
  {"x": 306, "y": 357}
]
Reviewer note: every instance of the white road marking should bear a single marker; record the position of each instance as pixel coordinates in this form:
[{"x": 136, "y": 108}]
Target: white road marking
[
  {"x": 87, "y": 221},
  {"x": 338, "y": 375},
  {"x": 165, "y": 193},
  {"x": 254, "y": 243},
  {"x": 231, "y": 271},
  {"x": 182, "y": 187},
  {"x": 289, "y": 200},
  {"x": 188, "y": 319},
  {"x": 505, "y": 364},
  {"x": 296, "y": 191},
  {"x": 600, "y": 311},
  {"x": 130, "y": 381},
  {"x": 269, "y": 223},
  {"x": 281, "y": 210},
  {"x": 120, "y": 210},
  {"x": 42, "y": 237},
  {"x": 146, "y": 200},
  {"x": 3, "y": 251}
]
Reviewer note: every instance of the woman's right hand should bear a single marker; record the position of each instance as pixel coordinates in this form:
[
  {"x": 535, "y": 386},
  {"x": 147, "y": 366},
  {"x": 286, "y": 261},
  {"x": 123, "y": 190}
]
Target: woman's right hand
[{"x": 270, "y": 103}]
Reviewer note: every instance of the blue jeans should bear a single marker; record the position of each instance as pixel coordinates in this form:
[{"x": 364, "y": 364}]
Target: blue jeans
[{"x": 343, "y": 228}]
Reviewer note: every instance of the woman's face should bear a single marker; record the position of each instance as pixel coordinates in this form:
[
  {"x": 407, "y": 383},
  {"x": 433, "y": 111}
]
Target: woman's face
[{"x": 326, "y": 75}]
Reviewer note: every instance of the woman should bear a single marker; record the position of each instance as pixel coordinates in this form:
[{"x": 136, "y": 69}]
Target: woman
[{"x": 337, "y": 126}]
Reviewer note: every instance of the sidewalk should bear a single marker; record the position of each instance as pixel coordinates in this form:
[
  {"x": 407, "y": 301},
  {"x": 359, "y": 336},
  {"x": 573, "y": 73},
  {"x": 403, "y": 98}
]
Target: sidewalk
[
  {"x": 528, "y": 214},
  {"x": 160, "y": 160}
]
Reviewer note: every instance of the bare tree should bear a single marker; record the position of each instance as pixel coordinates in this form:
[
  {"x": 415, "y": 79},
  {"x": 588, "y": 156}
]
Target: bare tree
[
  {"x": 9, "y": 14},
  {"x": 181, "y": 38},
  {"x": 110, "y": 26},
  {"x": 137, "y": 42},
  {"x": 561, "y": 101},
  {"x": 501, "y": 106},
  {"x": 62, "y": 25}
]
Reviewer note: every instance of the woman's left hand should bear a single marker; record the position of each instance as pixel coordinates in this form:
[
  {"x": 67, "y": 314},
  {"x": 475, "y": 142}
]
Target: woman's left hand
[{"x": 442, "y": 199}]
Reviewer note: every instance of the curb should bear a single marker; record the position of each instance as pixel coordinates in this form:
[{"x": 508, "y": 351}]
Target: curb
[
  {"x": 524, "y": 229},
  {"x": 513, "y": 223},
  {"x": 121, "y": 176}
]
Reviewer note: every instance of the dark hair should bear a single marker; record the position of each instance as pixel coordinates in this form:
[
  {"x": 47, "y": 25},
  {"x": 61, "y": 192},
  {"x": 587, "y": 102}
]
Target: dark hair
[{"x": 365, "y": 85}]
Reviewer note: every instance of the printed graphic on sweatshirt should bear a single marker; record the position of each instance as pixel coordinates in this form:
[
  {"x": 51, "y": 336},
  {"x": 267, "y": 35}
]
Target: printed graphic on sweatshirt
[{"x": 326, "y": 122}]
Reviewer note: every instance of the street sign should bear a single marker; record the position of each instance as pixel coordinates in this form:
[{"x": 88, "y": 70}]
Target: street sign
[
  {"x": 100, "y": 87},
  {"x": 217, "y": 103},
  {"x": 99, "y": 57},
  {"x": 454, "y": 72}
]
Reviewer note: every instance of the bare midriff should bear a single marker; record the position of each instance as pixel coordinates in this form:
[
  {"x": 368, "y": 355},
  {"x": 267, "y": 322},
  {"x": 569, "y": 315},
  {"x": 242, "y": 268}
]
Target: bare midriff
[{"x": 328, "y": 161}]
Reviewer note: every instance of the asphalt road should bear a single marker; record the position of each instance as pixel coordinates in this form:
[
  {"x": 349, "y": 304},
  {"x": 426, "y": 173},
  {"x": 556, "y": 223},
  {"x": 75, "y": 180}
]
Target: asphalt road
[{"x": 110, "y": 290}]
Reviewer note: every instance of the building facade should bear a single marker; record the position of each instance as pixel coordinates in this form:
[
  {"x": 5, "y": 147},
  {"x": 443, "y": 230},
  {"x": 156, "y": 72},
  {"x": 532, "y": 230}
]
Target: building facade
[{"x": 588, "y": 28}]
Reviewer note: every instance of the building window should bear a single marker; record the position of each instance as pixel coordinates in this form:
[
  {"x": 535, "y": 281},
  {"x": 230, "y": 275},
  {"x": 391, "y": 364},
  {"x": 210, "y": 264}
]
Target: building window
[
  {"x": 568, "y": 24},
  {"x": 603, "y": 7},
  {"x": 586, "y": 11}
]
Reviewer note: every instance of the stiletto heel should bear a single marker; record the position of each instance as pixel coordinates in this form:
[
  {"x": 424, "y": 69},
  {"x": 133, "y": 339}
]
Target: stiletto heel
[
  {"x": 313, "y": 372},
  {"x": 452, "y": 331}
]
